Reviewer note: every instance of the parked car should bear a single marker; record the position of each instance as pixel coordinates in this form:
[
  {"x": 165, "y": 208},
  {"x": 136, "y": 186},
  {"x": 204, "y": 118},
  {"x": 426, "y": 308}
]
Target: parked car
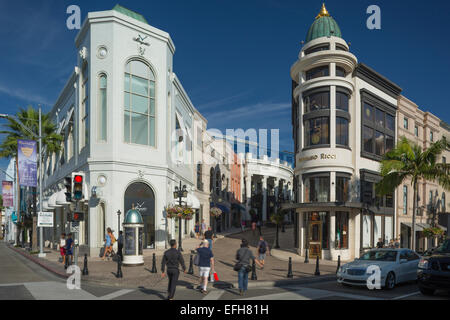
[
  {"x": 434, "y": 270},
  {"x": 396, "y": 266}
]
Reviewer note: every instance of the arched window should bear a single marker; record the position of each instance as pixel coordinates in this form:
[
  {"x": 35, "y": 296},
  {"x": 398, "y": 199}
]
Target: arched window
[
  {"x": 218, "y": 182},
  {"x": 139, "y": 104},
  {"x": 103, "y": 111},
  {"x": 199, "y": 177}
]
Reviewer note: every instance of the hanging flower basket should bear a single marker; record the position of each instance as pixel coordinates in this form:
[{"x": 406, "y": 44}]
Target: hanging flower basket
[
  {"x": 215, "y": 212},
  {"x": 174, "y": 212},
  {"x": 433, "y": 232}
]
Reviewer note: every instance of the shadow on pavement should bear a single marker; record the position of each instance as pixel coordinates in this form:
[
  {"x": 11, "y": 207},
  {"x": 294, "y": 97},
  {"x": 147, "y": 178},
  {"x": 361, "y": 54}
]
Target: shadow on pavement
[{"x": 152, "y": 292}]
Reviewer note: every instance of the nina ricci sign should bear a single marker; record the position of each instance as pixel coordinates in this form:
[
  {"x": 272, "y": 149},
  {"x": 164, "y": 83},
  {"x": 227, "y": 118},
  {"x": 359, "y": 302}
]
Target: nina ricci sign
[{"x": 322, "y": 156}]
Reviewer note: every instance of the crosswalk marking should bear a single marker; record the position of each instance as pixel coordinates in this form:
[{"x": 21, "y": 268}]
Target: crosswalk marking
[
  {"x": 115, "y": 294},
  {"x": 214, "y": 295}
]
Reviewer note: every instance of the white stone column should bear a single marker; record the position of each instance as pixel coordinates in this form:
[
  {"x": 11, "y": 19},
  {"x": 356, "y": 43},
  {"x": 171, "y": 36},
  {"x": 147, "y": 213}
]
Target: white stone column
[
  {"x": 276, "y": 192},
  {"x": 301, "y": 234},
  {"x": 333, "y": 116},
  {"x": 332, "y": 186},
  {"x": 248, "y": 193},
  {"x": 332, "y": 234},
  {"x": 264, "y": 191}
]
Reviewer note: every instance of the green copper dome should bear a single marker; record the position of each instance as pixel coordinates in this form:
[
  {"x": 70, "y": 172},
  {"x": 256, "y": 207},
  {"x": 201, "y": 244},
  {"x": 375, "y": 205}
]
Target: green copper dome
[
  {"x": 133, "y": 217},
  {"x": 130, "y": 13},
  {"x": 324, "y": 26}
]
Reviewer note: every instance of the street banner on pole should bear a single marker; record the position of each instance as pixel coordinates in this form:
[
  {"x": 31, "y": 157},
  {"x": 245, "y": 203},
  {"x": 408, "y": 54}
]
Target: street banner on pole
[
  {"x": 45, "y": 219},
  {"x": 7, "y": 192},
  {"x": 27, "y": 153}
]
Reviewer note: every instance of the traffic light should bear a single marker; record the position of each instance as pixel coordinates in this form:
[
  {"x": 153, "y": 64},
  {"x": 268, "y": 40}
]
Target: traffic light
[
  {"x": 78, "y": 216},
  {"x": 78, "y": 181},
  {"x": 68, "y": 185}
]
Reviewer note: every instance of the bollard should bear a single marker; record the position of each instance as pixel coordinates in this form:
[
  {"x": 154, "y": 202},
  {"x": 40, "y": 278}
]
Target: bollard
[
  {"x": 317, "y": 273},
  {"x": 85, "y": 267},
  {"x": 154, "y": 265},
  {"x": 254, "y": 277},
  {"x": 191, "y": 267},
  {"x": 119, "y": 268},
  {"x": 290, "y": 275},
  {"x": 306, "y": 256},
  {"x": 339, "y": 264},
  {"x": 66, "y": 263}
]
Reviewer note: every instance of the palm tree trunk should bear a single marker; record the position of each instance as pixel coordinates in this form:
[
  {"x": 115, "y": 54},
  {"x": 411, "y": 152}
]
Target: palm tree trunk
[{"x": 413, "y": 225}]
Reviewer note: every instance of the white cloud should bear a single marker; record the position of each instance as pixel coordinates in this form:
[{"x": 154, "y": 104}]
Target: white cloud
[{"x": 25, "y": 96}]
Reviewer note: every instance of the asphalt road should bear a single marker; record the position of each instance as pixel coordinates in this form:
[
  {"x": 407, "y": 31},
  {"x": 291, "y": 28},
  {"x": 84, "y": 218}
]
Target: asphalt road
[{"x": 21, "y": 279}]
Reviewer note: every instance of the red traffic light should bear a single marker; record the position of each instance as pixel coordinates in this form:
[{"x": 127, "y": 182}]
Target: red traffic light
[{"x": 78, "y": 179}]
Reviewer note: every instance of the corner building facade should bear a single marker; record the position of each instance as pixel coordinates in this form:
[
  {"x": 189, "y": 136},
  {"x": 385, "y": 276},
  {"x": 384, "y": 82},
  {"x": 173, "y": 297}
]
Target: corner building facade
[{"x": 344, "y": 120}]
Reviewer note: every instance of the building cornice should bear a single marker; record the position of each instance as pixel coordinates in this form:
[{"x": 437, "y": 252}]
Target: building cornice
[{"x": 372, "y": 77}]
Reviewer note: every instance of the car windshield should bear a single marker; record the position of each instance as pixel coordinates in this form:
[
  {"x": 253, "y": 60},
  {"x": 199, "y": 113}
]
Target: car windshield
[
  {"x": 379, "y": 255},
  {"x": 445, "y": 247}
]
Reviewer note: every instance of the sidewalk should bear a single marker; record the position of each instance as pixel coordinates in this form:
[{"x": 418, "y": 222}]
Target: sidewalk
[{"x": 224, "y": 249}]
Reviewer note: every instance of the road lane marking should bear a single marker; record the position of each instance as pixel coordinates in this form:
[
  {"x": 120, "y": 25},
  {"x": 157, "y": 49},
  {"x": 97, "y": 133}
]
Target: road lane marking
[
  {"x": 115, "y": 294},
  {"x": 406, "y": 295},
  {"x": 56, "y": 291},
  {"x": 214, "y": 295}
]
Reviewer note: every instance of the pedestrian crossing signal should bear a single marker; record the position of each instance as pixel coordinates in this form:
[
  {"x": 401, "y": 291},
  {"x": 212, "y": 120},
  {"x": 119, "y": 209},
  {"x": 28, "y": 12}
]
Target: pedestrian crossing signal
[
  {"x": 68, "y": 185},
  {"x": 78, "y": 216}
]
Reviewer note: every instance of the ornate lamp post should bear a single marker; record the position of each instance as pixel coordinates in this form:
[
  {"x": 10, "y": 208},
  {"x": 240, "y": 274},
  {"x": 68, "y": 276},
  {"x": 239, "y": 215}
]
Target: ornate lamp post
[
  {"x": 118, "y": 222},
  {"x": 180, "y": 192}
]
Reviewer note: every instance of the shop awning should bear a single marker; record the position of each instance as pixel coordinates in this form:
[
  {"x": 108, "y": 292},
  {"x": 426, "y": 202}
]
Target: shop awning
[
  {"x": 238, "y": 206},
  {"x": 419, "y": 226},
  {"x": 191, "y": 201},
  {"x": 61, "y": 198}
]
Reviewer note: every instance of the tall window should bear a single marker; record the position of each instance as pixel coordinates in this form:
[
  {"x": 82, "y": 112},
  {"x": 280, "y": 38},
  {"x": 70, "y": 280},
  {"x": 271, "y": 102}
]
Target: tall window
[
  {"x": 405, "y": 123},
  {"x": 405, "y": 200},
  {"x": 378, "y": 131},
  {"x": 139, "y": 122},
  {"x": 317, "y": 131},
  {"x": 317, "y": 188},
  {"x": 85, "y": 106},
  {"x": 431, "y": 136},
  {"x": 342, "y": 131},
  {"x": 211, "y": 180},
  {"x": 340, "y": 72},
  {"x": 323, "y": 71},
  {"x": 342, "y": 189},
  {"x": 317, "y": 101},
  {"x": 317, "y": 49},
  {"x": 199, "y": 177},
  {"x": 341, "y": 230},
  {"x": 342, "y": 101},
  {"x": 416, "y": 131},
  {"x": 102, "y": 94}
]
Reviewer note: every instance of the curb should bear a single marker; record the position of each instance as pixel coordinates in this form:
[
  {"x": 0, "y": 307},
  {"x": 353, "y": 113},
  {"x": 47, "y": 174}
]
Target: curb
[
  {"x": 35, "y": 260},
  {"x": 293, "y": 282}
]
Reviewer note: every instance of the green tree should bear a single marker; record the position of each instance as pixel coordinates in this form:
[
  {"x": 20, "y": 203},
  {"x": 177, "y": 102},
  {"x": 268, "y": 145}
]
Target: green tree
[
  {"x": 408, "y": 160},
  {"x": 51, "y": 140},
  {"x": 278, "y": 218}
]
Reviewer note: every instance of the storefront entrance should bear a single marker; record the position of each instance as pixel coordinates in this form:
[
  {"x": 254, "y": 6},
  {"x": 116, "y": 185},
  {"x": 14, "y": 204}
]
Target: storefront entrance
[
  {"x": 141, "y": 196},
  {"x": 315, "y": 239}
]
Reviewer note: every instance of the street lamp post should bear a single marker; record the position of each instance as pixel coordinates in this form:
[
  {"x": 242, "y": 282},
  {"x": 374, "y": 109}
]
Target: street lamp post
[
  {"x": 180, "y": 193},
  {"x": 118, "y": 222}
]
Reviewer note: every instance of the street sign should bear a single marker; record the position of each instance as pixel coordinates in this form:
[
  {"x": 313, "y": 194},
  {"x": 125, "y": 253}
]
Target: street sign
[
  {"x": 45, "y": 219},
  {"x": 74, "y": 227}
]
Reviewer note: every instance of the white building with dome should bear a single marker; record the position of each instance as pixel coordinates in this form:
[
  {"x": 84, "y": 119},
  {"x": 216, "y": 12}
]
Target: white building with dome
[{"x": 344, "y": 120}]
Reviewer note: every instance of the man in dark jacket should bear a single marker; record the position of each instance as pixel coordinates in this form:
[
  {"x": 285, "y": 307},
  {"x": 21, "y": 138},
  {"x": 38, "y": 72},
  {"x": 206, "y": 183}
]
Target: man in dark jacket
[
  {"x": 120, "y": 245},
  {"x": 172, "y": 258}
]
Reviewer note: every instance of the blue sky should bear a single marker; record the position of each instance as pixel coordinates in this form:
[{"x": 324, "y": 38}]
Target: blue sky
[{"x": 234, "y": 57}]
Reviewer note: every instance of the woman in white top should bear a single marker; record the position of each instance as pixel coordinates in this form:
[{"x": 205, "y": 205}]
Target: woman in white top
[{"x": 62, "y": 245}]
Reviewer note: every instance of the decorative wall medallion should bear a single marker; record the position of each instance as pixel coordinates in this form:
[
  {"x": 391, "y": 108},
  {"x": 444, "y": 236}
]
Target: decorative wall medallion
[
  {"x": 141, "y": 174},
  {"x": 101, "y": 180},
  {"x": 83, "y": 53},
  {"x": 102, "y": 52},
  {"x": 141, "y": 43}
]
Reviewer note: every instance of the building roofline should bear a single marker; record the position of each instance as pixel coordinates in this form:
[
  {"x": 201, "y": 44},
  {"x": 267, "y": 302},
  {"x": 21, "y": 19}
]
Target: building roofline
[{"x": 382, "y": 83}]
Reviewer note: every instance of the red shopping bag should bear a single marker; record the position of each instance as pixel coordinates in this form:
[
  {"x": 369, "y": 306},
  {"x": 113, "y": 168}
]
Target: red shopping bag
[{"x": 216, "y": 277}]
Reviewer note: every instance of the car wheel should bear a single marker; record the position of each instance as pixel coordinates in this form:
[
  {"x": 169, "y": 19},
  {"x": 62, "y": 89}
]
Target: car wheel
[
  {"x": 426, "y": 291},
  {"x": 390, "y": 281}
]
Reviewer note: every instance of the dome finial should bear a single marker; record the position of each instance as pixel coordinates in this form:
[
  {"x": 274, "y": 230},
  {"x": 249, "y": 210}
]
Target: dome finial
[{"x": 323, "y": 12}]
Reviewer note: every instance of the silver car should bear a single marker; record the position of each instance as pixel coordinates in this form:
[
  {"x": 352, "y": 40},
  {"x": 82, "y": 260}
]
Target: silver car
[{"x": 396, "y": 266}]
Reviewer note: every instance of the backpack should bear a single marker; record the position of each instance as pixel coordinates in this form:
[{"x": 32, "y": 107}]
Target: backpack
[
  {"x": 113, "y": 239},
  {"x": 263, "y": 247},
  {"x": 196, "y": 260}
]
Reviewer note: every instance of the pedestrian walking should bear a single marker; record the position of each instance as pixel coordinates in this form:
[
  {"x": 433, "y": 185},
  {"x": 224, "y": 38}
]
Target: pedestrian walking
[
  {"x": 380, "y": 244},
  {"x": 197, "y": 230},
  {"x": 108, "y": 243},
  {"x": 120, "y": 245},
  {"x": 254, "y": 220},
  {"x": 203, "y": 227},
  {"x": 391, "y": 243},
  {"x": 244, "y": 257},
  {"x": 209, "y": 237},
  {"x": 62, "y": 249},
  {"x": 205, "y": 264},
  {"x": 69, "y": 248},
  {"x": 397, "y": 243},
  {"x": 262, "y": 249},
  {"x": 172, "y": 259}
]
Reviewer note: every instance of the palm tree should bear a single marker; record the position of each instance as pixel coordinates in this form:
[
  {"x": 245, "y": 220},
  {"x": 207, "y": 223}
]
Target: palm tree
[
  {"x": 408, "y": 160},
  {"x": 51, "y": 140}
]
